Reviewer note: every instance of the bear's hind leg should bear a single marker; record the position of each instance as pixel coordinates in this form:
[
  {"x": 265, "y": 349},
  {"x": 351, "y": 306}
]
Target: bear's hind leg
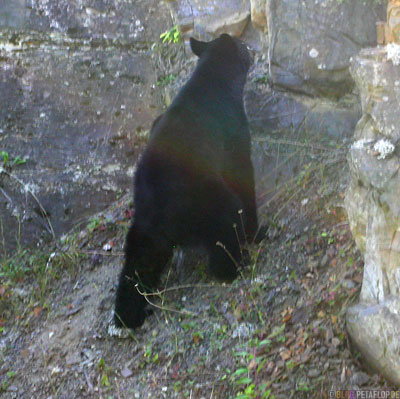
[
  {"x": 222, "y": 233},
  {"x": 145, "y": 259}
]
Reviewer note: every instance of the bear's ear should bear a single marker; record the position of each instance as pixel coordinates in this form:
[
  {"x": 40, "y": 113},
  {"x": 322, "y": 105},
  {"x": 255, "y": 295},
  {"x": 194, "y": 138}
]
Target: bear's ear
[
  {"x": 226, "y": 37},
  {"x": 197, "y": 46},
  {"x": 227, "y": 41}
]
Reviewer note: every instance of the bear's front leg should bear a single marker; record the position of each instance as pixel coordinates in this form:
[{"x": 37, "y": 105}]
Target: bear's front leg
[
  {"x": 130, "y": 305},
  {"x": 145, "y": 258}
]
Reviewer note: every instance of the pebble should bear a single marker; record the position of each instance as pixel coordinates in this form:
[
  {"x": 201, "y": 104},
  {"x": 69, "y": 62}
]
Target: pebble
[
  {"x": 332, "y": 352},
  {"x": 359, "y": 378},
  {"x": 314, "y": 373},
  {"x": 126, "y": 373}
]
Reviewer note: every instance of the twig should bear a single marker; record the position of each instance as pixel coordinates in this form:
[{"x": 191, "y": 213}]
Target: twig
[
  {"x": 28, "y": 190},
  {"x": 118, "y": 390},
  {"x": 341, "y": 224},
  {"x": 3, "y": 240},
  {"x": 219, "y": 244},
  {"x": 181, "y": 287},
  {"x": 278, "y": 166},
  {"x": 89, "y": 383},
  {"x": 7, "y": 197},
  {"x": 144, "y": 294},
  {"x": 104, "y": 253}
]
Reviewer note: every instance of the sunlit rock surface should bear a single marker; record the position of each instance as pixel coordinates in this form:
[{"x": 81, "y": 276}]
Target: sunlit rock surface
[
  {"x": 311, "y": 43},
  {"x": 373, "y": 206}
]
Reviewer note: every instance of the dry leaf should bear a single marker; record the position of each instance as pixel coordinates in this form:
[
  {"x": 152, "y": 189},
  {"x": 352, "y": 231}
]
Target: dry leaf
[
  {"x": 252, "y": 365},
  {"x": 196, "y": 339},
  {"x": 37, "y": 311},
  {"x": 321, "y": 314},
  {"x": 286, "y": 318},
  {"x": 238, "y": 313},
  {"x": 286, "y": 355}
]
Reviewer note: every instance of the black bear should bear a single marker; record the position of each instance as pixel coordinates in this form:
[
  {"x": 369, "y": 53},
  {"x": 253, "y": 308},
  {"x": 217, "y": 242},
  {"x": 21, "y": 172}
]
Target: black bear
[{"x": 194, "y": 184}]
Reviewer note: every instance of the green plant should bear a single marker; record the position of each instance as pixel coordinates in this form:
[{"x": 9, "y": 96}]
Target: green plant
[
  {"x": 149, "y": 356},
  {"x": 248, "y": 379},
  {"x": 304, "y": 175},
  {"x": 173, "y": 35},
  {"x": 165, "y": 80},
  {"x": 303, "y": 386},
  {"x": 93, "y": 224},
  {"x": 14, "y": 268},
  {"x": 7, "y": 161},
  {"x": 330, "y": 236},
  {"x": 18, "y": 161},
  {"x": 10, "y": 375},
  {"x": 5, "y": 157},
  {"x": 263, "y": 79},
  {"x": 105, "y": 373},
  {"x": 293, "y": 275},
  {"x": 42, "y": 267}
]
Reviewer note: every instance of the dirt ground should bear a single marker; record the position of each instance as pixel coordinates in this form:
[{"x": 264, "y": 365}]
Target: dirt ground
[{"x": 277, "y": 332}]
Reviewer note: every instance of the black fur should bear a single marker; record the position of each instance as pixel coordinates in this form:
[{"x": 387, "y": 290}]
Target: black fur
[{"x": 194, "y": 184}]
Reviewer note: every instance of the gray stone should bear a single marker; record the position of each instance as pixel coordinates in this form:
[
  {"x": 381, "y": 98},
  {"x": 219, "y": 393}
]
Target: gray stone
[
  {"x": 126, "y": 372},
  {"x": 314, "y": 373},
  {"x": 73, "y": 111},
  {"x": 332, "y": 351},
  {"x": 277, "y": 112},
  {"x": 13, "y": 13},
  {"x": 311, "y": 43},
  {"x": 379, "y": 90},
  {"x": 208, "y": 18},
  {"x": 124, "y": 21},
  {"x": 281, "y": 123},
  {"x": 359, "y": 378},
  {"x": 372, "y": 203},
  {"x": 375, "y": 329},
  {"x": 368, "y": 169}
]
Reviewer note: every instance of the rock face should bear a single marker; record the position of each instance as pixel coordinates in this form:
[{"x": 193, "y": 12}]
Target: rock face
[
  {"x": 373, "y": 207},
  {"x": 76, "y": 94},
  {"x": 310, "y": 45},
  {"x": 259, "y": 14},
  {"x": 393, "y": 21},
  {"x": 312, "y": 41},
  {"x": 127, "y": 21},
  {"x": 285, "y": 113},
  {"x": 209, "y": 19}
]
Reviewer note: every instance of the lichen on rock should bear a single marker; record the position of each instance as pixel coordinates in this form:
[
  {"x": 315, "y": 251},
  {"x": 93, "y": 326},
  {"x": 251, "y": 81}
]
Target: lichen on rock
[
  {"x": 384, "y": 148},
  {"x": 393, "y": 53}
]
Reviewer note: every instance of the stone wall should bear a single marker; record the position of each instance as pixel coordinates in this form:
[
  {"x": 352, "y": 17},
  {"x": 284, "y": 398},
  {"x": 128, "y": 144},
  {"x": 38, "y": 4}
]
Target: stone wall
[
  {"x": 373, "y": 206},
  {"x": 77, "y": 91},
  {"x": 311, "y": 43}
]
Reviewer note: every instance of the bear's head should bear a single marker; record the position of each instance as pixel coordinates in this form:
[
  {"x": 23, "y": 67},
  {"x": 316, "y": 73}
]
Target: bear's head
[{"x": 226, "y": 49}]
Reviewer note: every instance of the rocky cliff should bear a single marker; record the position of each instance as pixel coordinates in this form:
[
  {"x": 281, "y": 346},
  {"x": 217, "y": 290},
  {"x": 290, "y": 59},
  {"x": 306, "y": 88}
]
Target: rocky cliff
[{"x": 373, "y": 207}]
